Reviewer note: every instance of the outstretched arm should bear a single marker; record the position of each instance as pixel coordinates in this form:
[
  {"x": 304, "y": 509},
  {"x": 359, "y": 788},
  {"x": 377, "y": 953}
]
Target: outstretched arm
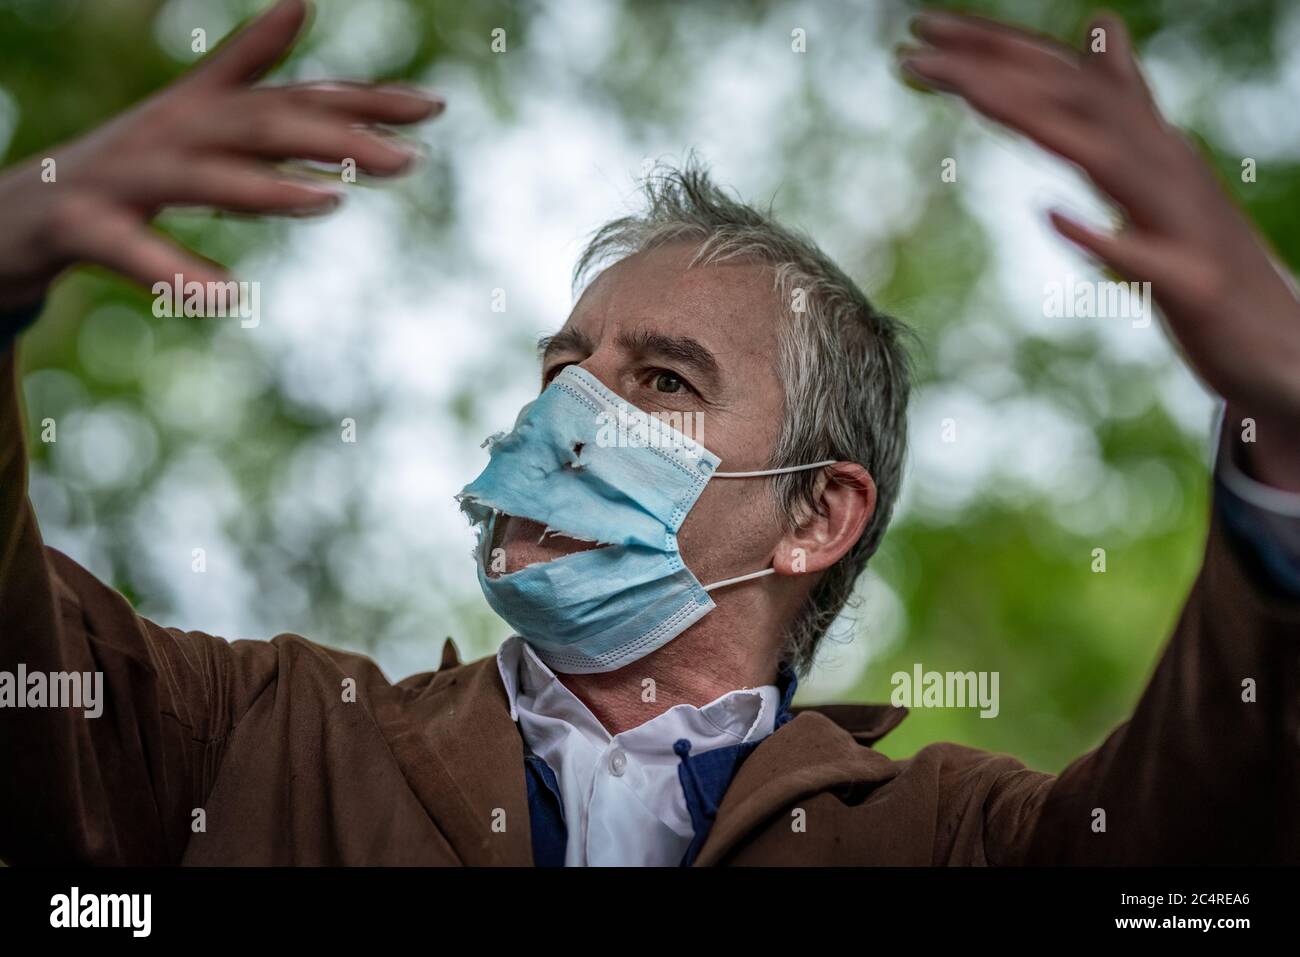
[
  {"x": 115, "y": 776},
  {"x": 1206, "y": 770}
]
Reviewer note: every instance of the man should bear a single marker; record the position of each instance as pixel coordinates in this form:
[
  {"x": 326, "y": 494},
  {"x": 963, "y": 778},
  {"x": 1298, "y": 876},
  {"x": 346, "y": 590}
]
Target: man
[{"x": 666, "y": 593}]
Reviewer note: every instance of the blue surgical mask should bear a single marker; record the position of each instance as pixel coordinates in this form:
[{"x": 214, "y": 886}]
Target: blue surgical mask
[{"x": 585, "y": 464}]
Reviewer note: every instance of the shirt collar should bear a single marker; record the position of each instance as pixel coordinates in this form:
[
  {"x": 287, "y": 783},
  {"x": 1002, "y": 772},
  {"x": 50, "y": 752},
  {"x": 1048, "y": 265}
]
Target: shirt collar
[{"x": 745, "y": 714}]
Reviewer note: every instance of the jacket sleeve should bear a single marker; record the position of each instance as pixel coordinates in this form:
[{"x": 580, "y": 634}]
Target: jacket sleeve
[
  {"x": 116, "y": 779},
  {"x": 1206, "y": 769}
]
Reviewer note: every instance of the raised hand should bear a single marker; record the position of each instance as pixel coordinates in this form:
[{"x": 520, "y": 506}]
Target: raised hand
[
  {"x": 1231, "y": 308},
  {"x": 211, "y": 139}
]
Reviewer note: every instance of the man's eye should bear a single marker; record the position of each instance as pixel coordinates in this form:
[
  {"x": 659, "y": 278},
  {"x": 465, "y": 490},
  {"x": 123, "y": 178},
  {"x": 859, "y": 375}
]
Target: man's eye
[
  {"x": 667, "y": 382},
  {"x": 552, "y": 372}
]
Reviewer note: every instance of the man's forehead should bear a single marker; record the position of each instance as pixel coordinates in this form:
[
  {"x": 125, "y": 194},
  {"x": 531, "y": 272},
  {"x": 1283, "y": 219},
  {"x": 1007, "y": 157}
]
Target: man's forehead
[{"x": 659, "y": 292}]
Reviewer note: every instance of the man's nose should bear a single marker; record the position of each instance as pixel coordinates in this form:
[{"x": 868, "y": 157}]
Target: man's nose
[{"x": 605, "y": 365}]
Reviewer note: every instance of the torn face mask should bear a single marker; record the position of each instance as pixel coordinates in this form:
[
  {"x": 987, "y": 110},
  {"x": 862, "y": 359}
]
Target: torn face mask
[{"x": 578, "y": 462}]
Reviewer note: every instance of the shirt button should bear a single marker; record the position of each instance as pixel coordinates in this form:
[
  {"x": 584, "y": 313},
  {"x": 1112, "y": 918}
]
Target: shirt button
[{"x": 618, "y": 763}]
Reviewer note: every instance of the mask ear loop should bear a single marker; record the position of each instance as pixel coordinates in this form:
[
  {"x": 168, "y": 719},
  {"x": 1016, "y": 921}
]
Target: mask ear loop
[
  {"x": 761, "y": 472},
  {"x": 740, "y": 578}
]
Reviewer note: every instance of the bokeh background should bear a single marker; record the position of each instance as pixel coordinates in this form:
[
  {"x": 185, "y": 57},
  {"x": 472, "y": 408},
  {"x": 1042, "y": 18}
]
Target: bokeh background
[{"x": 176, "y": 434}]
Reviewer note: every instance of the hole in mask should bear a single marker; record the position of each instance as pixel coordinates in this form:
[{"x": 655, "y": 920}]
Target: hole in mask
[
  {"x": 520, "y": 542},
  {"x": 574, "y": 465}
]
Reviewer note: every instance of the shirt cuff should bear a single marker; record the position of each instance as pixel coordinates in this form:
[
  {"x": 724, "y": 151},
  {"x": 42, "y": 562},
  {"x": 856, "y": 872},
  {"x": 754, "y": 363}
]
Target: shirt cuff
[{"x": 1265, "y": 520}]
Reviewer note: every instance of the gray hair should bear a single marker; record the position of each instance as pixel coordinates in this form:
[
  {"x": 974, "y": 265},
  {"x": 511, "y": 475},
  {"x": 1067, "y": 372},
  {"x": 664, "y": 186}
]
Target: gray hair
[{"x": 843, "y": 365}]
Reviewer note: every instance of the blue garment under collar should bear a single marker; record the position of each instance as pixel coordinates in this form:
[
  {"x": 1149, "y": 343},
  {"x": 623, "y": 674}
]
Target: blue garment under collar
[{"x": 704, "y": 777}]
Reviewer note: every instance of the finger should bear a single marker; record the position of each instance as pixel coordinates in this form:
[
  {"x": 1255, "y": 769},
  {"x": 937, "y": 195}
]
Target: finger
[
  {"x": 1132, "y": 254},
  {"x": 1024, "y": 101},
  {"x": 120, "y": 242},
  {"x": 295, "y": 135},
  {"x": 998, "y": 41},
  {"x": 1050, "y": 117},
  {"x": 232, "y": 184},
  {"x": 1109, "y": 49},
  {"x": 394, "y": 105},
  {"x": 1182, "y": 281},
  {"x": 252, "y": 51},
  {"x": 1062, "y": 87}
]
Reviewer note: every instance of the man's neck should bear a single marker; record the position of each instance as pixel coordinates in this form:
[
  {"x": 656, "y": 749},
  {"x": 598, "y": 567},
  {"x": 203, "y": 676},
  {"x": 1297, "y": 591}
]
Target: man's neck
[{"x": 685, "y": 671}]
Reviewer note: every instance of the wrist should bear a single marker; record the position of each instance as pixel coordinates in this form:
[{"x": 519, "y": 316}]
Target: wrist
[
  {"x": 33, "y": 242},
  {"x": 1265, "y": 448}
]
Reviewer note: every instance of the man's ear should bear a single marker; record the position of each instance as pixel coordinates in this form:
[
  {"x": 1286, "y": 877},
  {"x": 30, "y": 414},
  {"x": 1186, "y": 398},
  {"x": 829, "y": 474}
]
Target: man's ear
[{"x": 845, "y": 494}]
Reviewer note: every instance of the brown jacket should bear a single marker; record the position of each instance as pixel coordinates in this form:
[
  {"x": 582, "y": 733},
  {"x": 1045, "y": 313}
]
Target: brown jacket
[{"x": 430, "y": 770}]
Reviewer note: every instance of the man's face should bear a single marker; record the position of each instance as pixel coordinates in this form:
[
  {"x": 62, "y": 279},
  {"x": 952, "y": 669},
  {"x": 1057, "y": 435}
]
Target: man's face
[{"x": 672, "y": 341}]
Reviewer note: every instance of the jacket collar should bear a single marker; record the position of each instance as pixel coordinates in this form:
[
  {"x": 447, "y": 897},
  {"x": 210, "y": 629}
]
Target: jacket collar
[
  {"x": 867, "y": 723},
  {"x": 463, "y": 757},
  {"x": 810, "y": 754}
]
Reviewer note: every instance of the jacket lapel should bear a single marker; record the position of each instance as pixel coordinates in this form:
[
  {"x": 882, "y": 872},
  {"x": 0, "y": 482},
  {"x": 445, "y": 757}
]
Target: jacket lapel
[
  {"x": 463, "y": 757},
  {"x": 808, "y": 755}
]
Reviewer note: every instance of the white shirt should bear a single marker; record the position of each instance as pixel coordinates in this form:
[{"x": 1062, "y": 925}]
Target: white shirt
[{"x": 622, "y": 800}]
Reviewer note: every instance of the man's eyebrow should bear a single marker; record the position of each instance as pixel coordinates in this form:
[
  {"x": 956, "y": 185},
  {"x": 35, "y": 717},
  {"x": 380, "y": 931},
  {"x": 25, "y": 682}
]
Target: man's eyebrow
[
  {"x": 566, "y": 340},
  {"x": 681, "y": 349}
]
